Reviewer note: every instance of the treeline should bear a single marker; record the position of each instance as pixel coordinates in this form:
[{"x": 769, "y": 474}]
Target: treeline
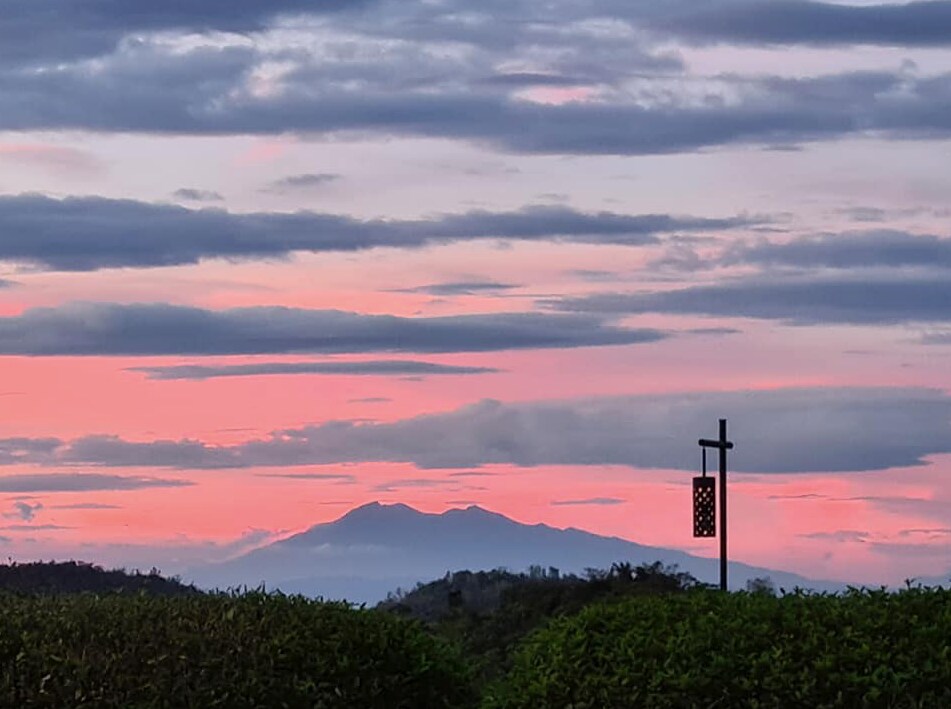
[
  {"x": 486, "y": 592},
  {"x": 488, "y": 613},
  {"x": 51, "y": 577}
]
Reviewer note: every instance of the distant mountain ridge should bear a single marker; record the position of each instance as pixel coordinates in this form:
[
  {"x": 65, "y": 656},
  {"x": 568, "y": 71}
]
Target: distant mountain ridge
[{"x": 375, "y": 548}]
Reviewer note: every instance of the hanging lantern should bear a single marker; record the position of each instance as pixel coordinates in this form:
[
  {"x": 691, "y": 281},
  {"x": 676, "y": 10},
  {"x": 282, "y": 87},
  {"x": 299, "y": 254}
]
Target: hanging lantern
[{"x": 704, "y": 504}]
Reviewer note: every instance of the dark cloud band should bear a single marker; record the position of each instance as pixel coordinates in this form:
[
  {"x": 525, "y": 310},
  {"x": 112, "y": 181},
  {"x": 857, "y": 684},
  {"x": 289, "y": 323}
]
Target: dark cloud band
[
  {"x": 204, "y": 91},
  {"x": 85, "y": 234},
  {"x": 43, "y": 30},
  {"x": 386, "y": 368},
  {"x": 776, "y": 431},
  {"x": 887, "y": 248},
  {"x": 162, "y": 329},
  {"x": 918, "y": 24},
  {"x": 80, "y": 482},
  {"x": 408, "y": 85},
  {"x": 847, "y": 299}
]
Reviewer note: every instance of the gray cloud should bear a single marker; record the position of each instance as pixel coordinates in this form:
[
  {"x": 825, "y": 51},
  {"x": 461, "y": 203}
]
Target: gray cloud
[
  {"x": 864, "y": 214},
  {"x": 338, "y": 478},
  {"x": 776, "y": 431},
  {"x": 161, "y": 329},
  {"x": 81, "y": 482},
  {"x": 39, "y": 31},
  {"x": 927, "y": 532},
  {"x": 603, "y": 501},
  {"x": 387, "y": 72},
  {"x": 86, "y": 506},
  {"x": 20, "y": 449},
  {"x": 414, "y": 89},
  {"x": 297, "y": 182},
  {"x": 523, "y": 79},
  {"x": 857, "y": 249},
  {"x": 49, "y": 30},
  {"x": 410, "y": 483},
  {"x": 112, "y": 451},
  {"x": 846, "y": 299},
  {"x": 823, "y": 430},
  {"x": 89, "y": 233},
  {"x": 594, "y": 276},
  {"x": 23, "y": 510},
  {"x": 936, "y": 338},
  {"x": 714, "y": 331},
  {"x": 460, "y": 288},
  {"x": 386, "y": 368},
  {"x": 841, "y": 535},
  {"x": 196, "y": 195},
  {"x": 922, "y": 24}
]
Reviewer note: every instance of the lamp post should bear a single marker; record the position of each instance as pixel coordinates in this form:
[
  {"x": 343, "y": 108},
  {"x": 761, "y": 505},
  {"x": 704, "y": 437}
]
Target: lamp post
[{"x": 704, "y": 510}]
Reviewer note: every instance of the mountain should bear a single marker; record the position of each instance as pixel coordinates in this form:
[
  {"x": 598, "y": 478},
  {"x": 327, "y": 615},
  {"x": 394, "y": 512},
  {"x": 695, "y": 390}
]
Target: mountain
[{"x": 374, "y": 549}]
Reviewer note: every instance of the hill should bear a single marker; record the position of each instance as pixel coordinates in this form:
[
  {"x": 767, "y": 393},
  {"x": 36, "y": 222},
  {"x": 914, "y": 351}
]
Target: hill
[{"x": 79, "y": 577}]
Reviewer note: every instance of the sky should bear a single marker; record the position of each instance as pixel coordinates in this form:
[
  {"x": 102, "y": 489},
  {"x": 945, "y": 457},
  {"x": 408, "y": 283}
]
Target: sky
[{"x": 261, "y": 263}]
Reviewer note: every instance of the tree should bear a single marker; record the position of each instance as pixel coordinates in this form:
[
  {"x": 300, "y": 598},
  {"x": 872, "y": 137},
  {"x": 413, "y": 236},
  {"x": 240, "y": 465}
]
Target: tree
[{"x": 762, "y": 584}]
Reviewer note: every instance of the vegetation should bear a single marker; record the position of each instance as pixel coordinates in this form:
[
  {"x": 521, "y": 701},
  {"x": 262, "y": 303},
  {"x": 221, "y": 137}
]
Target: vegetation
[
  {"x": 640, "y": 637},
  {"x": 488, "y": 613},
  {"x": 253, "y": 650},
  {"x": 79, "y": 577},
  {"x": 710, "y": 649}
]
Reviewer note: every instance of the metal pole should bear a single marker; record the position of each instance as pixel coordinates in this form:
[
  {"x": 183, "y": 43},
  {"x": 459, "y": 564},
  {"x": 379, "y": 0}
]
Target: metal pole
[{"x": 723, "y": 445}]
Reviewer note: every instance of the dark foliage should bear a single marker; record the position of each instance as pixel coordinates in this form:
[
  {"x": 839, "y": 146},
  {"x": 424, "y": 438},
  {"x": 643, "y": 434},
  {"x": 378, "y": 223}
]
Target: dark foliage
[
  {"x": 234, "y": 651},
  {"x": 497, "y": 609},
  {"x": 79, "y": 577},
  {"x": 862, "y": 649}
]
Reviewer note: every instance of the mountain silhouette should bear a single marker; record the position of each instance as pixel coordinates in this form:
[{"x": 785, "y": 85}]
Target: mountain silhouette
[{"x": 376, "y": 548}]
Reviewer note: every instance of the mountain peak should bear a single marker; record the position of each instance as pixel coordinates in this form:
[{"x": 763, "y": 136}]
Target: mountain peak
[
  {"x": 473, "y": 512},
  {"x": 378, "y": 541},
  {"x": 378, "y": 510}
]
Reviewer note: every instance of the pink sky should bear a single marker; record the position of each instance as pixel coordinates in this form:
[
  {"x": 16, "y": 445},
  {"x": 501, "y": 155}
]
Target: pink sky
[{"x": 454, "y": 170}]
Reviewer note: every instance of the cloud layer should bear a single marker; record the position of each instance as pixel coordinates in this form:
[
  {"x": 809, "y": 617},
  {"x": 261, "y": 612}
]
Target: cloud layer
[
  {"x": 80, "y": 482},
  {"x": 920, "y": 24},
  {"x": 883, "y": 248},
  {"x": 384, "y": 368},
  {"x": 775, "y": 431},
  {"x": 452, "y": 71},
  {"x": 40, "y": 31},
  {"x": 846, "y": 298},
  {"x": 36, "y": 31},
  {"x": 90, "y": 233},
  {"x": 162, "y": 329}
]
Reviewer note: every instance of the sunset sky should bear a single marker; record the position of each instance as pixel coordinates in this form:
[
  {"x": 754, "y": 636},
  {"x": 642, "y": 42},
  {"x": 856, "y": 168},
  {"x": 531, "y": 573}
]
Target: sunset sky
[{"x": 264, "y": 262}]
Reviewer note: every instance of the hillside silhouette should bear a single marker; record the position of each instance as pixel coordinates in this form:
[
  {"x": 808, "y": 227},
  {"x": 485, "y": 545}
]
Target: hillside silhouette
[
  {"x": 60, "y": 577},
  {"x": 488, "y": 613}
]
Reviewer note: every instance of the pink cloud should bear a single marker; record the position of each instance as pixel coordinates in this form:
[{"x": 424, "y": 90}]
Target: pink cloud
[
  {"x": 53, "y": 157},
  {"x": 557, "y": 96},
  {"x": 263, "y": 151}
]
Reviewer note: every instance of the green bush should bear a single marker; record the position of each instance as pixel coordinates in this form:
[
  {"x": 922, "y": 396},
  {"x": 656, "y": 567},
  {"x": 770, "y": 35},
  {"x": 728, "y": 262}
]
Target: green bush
[
  {"x": 252, "y": 650},
  {"x": 709, "y": 649}
]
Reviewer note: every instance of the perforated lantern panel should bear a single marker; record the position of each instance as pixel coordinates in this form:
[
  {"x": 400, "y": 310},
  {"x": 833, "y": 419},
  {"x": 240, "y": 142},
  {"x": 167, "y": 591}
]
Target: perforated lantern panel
[{"x": 704, "y": 507}]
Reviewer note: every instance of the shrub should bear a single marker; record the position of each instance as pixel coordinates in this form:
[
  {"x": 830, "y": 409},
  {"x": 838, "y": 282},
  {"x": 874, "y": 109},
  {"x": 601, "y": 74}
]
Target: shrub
[
  {"x": 252, "y": 650},
  {"x": 708, "y": 649}
]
